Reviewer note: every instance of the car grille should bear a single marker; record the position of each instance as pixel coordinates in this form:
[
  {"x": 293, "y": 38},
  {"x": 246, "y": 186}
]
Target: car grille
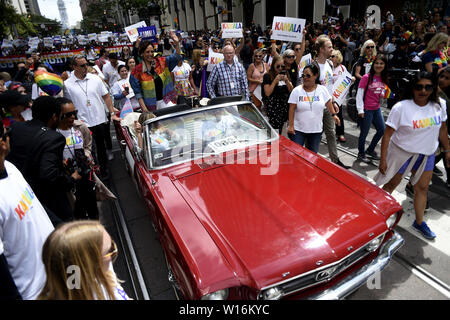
[{"x": 318, "y": 276}]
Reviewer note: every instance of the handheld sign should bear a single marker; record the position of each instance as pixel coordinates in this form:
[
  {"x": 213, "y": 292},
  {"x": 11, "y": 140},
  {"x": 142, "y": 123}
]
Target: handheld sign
[
  {"x": 213, "y": 60},
  {"x": 341, "y": 87},
  {"x": 232, "y": 30},
  {"x": 148, "y": 33},
  {"x": 288, "y": 29},
  {"x": 132, "y": 32}
]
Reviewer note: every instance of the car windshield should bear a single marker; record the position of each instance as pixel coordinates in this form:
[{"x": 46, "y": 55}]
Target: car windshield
[{"x": 205, "y": 132}]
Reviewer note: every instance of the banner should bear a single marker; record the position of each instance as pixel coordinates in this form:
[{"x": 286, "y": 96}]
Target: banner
[
  {"x": 341, "y": 87},
  {"x": 213, "y": 60},
  {"x": 52, "y": 58},
  {"x": 232, "y": 30},
  {"x": 148, "y": 33},
  {"x": 132, "y": 32},
  {"x": 288, "y": 29}
]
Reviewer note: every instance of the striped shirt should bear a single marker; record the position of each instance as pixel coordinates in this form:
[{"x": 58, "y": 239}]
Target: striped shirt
[{"x": 229, "y": 81}]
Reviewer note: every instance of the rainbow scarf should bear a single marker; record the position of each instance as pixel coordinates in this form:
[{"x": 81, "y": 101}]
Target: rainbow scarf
[
  {"x": 440, "y": 58},
  {"x": 148, "y": 84},
  {"x": 50, "y": 83}
]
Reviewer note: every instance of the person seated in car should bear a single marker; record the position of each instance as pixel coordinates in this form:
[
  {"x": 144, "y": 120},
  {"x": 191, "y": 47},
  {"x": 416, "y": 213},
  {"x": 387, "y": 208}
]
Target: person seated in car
[
  {"x": 160, "y": 135},
  {"x": 219, "y": 126}
]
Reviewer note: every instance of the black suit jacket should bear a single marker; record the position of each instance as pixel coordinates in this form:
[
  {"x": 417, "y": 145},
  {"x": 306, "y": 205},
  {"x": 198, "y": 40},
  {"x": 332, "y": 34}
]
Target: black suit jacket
[{"x": 37, "y": 152}]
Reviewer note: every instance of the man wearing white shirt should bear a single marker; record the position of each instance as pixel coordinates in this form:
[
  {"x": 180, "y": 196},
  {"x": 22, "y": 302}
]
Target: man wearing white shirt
[
  {"x": 24, "y": 227},
  {"x": 110, "y": 69},
  {"x": 88, "y": 93}
]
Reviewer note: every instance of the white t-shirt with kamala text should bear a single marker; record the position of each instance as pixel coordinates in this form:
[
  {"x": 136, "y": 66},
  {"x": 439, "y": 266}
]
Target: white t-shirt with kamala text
[
  {"x": 310, "y": 105},
  {"x": 417, "y": 128}
]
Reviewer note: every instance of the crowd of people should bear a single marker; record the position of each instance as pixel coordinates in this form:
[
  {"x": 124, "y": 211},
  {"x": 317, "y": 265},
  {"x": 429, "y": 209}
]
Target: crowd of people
[{"x": 54, "y": 149}]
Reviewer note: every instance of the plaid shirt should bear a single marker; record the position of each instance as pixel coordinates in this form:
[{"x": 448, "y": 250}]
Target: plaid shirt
[{"x": 230, "y": 81}]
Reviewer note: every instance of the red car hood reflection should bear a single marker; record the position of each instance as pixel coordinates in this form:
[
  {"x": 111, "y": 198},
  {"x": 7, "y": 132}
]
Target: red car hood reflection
[{"x": 269, "y": 225}]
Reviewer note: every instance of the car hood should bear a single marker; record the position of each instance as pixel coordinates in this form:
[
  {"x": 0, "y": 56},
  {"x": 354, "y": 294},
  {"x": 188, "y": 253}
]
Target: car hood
[{"x": 273, "y": 225}]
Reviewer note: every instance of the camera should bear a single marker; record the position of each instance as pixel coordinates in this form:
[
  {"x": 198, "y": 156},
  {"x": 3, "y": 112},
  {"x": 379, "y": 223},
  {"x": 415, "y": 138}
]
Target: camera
[
  {"x": 79, "y": 163},
  {"x": 283, "y": 72}
]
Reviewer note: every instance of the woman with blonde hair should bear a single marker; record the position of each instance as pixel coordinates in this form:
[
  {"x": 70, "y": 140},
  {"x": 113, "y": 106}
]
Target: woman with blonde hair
[
  {"x": 434, "y": 53},
  {"x": 366, "y": 58},
  {"x": 78, "y": 260},
  {"x": 338, "y": 70},
  {"x": 255, "y": 75}
]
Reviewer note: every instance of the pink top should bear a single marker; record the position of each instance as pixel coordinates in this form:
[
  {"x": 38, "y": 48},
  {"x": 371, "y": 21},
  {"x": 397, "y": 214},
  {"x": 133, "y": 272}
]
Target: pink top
[
  {"x": 256, "y": 75},
  {"x": 375, "y": 91}
]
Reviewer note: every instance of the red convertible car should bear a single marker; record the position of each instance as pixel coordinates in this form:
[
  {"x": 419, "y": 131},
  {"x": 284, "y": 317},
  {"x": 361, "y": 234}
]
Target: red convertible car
[{"x": 244, "y": 213}]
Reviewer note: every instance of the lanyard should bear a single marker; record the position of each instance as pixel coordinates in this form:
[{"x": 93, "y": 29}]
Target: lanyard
[{"x": 85, "y": 91}]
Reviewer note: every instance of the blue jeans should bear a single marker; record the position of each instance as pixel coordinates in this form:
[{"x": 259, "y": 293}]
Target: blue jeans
[
  {"x": 312, "y": 140},
  {"x": 375, "y": 117}
]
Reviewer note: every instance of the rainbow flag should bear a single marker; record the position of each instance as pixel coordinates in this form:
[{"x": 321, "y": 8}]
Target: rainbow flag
[
  {"x": 50, "y": 83},
  {"x": 388, "y": 94}
]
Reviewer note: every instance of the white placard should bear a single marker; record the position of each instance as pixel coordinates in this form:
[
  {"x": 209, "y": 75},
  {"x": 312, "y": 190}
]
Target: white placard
[
  {"x": 125, "y": 83},
  {"x": 341, "y": 87},
  {"x": 305, "y": 60},
  {"x": 288, "y": 29},
  {"x": 132, "y": 32},
  {"x": 214, "y": 59},
  {"x": 232, "y": 30}
]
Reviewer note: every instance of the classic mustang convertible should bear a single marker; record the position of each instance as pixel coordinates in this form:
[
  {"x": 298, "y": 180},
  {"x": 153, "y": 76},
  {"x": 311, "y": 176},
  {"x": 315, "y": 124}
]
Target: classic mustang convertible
[{"x": 244, "y": 213}]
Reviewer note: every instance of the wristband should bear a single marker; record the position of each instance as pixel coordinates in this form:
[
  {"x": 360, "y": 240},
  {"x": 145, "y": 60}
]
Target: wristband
[{"x": 334, "y": 114}]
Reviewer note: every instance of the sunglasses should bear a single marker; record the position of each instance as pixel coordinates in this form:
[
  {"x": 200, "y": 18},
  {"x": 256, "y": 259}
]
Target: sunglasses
[
  {"x": 298, "y": 49},
  {"x": 279, "y": 66},
  {"x": 113, "y": 252},
  {"x": 258, "y": 56},
  {"x": 370, "y": 47},
  {"x": 83, "y": 65},
  {"x": 420, "y": 87},
  {"x": 307, "y": 76},
  {"x": 6, "y": 134},
  {"x": 333, "y": 57},
  {"x": 290, "y": 57},
  {"x": 70, "y": 114}
]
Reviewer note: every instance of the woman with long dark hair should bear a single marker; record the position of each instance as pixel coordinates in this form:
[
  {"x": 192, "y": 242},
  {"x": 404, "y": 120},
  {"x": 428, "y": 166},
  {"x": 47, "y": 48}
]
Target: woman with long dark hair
[
  {"x": 307, "y": 103},
  {"x": 372, "y": 88},
  {"x": 414, "y": 128},
  {"x": 276, "y": 89}
]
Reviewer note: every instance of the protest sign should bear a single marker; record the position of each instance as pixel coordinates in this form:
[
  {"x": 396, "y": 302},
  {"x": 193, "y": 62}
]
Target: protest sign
[
  {"x": 341, "y": 87},
  {"x": 148, "y": 33},
  {"x": 125, "y": 83},
  {"x": 132, "y": 31},
  {"x": 288, "y": 29},
  {"x": 306, "y": 59},
  {"x": 213, "y": 60},
  {"x": 232, "y": 30}
]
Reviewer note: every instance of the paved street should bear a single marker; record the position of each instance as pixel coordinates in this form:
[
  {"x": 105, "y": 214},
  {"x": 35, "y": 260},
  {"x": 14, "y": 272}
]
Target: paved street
[{"x": 418, "y": 271}]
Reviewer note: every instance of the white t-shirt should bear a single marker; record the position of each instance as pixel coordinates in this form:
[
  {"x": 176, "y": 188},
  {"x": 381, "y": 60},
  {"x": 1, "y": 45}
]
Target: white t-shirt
[
  {"x": 24, "y": 227},
  {"x": 310, "y": 105},
  {"x": 111, "y": 74},
  {"x": 87, "y": 95},
  {"x": 74, "y": 140},
  {"x": 181, "y": 73},
  {"x": 326, "y": 76},
  {"x": 417, "y": 128}
]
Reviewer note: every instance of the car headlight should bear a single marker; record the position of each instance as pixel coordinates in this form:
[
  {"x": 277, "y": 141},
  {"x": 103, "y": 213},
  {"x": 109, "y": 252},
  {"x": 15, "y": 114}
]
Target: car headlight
[
  {"x": 272, "y": 294},
  {"x": 217, "y": 295},
  {"x": 374, "y": 244},
  {"x": 391, "y": 220}
]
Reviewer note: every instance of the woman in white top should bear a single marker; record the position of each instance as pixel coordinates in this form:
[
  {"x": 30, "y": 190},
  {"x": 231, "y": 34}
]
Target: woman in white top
[
  {"x": 307, "y": 103},
  {"x": 78, "y": 259},
  {"x": 413, "y": 129},
  {"x": 121, "y": 90},
  {"x": 182, "y": 79}
]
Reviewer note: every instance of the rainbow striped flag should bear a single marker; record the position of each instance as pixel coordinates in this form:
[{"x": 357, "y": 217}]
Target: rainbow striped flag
[
  {"x": 50, "y": 83},
  {"x": 388, "y": 94}
]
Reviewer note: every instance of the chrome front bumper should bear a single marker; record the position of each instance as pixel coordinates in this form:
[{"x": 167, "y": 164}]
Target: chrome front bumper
[{"x": 359, "y": 277}]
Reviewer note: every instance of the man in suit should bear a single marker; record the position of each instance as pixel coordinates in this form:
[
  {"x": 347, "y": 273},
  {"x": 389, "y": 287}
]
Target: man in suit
[{"x": 37, "y": 151}]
